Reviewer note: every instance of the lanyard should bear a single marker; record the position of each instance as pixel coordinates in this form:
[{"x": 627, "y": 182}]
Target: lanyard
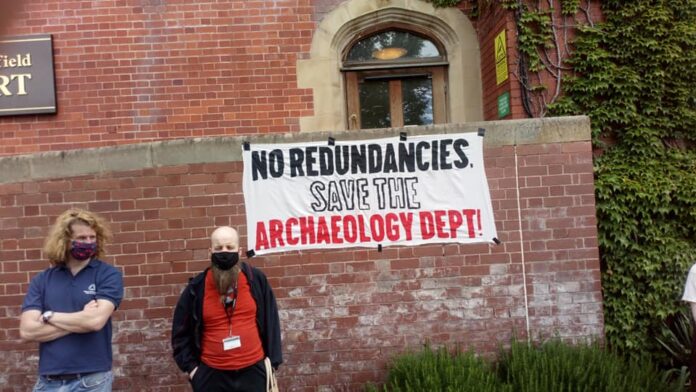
[{"x": 231, "y": 304}]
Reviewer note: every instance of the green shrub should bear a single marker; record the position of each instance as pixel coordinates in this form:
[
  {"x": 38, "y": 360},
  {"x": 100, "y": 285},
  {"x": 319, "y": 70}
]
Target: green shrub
[
  {"x": 676, "y": 339},
  {"x": 553, "y": 366},
  {"x": 558, "y": 367},
  {"x": 438, "y": 370}
]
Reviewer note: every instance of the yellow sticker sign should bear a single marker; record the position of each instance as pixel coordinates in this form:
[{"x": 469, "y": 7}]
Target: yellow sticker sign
[{"x": 501, "y": 68}]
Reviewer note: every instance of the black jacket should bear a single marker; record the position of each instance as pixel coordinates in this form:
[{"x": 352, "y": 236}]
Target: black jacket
[{"x": 187, "y": 326}]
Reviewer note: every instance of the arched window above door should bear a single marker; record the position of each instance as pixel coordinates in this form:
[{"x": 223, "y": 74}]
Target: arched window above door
[
  {"x": 395, "y": 77},
  {"x": 326, "y": 69},
  {"x": 392, "y": 47}
]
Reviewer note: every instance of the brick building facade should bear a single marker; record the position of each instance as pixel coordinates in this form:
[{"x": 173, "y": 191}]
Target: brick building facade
[{"x": 154, "y": 100}]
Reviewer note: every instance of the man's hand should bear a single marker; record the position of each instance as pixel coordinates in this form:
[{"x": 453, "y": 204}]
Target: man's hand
[
  {"x": 33, "y": 329},
  {"x": 91, "y": 304},
  {"x": 91, "y": 318}
]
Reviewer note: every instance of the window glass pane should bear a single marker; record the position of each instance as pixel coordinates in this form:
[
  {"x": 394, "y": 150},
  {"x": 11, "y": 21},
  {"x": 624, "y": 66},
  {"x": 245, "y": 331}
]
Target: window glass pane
[
  {"x": 374, "y": 104},
  {"x": 417, "y": 95},
  {"x": 392, "y": 45}
]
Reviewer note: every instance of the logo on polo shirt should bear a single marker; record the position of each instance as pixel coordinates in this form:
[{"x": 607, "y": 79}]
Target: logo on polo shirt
[{"x": 91, "y": 290}]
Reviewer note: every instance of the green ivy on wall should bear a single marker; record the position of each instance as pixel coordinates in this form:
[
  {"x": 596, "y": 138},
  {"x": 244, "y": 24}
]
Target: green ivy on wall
[
  {"x": 445, "y": 3},
  {"x": 634, "y": 75}
]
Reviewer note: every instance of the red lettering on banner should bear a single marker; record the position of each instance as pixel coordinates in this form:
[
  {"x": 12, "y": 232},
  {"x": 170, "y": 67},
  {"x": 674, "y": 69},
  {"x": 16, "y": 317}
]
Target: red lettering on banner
[
  {"x": 350, "y": 232},
  {"x": 307, "y": 230},
  {"x": 377, "y": 228},
  {"x": 455, "y": 220},
  {"x": 407, "y": 222},
  {"x": 322, "y": 231},
  {"x": 440, "y": 224},
  {"x": 478, "y": 216},
  {"x": 288, "y": 232},
  {"x": 361, "y": 227},
  {"x": 261, "y": 239},
  {"x": 427, "y": 225},
  {"x": 470, "y": 221},
  {"x": 335, "y": 229},
  {"x": 275, "y": 232},
  {"x": 392, "y": 226}
]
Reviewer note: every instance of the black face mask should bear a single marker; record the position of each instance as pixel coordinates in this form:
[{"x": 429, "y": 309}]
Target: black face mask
[{"x": 224, "y": 260}]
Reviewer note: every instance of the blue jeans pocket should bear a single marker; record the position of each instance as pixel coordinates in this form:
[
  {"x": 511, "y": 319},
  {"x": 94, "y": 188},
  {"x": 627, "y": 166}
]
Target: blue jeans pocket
[
  {"x": 40, "y": 385},
  {"x": 97, "y": 382}
]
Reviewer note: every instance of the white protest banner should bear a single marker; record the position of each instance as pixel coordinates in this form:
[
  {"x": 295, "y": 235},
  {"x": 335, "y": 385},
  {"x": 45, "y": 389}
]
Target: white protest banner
[{"x": 426, "y": 189}]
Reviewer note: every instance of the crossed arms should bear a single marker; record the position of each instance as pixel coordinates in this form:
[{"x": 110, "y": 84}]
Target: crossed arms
[{"x": 91, "y": 318}]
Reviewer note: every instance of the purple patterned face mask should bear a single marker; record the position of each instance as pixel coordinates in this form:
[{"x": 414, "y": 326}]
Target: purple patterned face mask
[{"x": 83, "y": 250}]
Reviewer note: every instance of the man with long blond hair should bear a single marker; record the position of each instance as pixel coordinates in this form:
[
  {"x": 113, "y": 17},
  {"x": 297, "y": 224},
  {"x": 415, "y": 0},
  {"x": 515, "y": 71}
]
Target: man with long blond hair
[
  {"x": 226, "y": 329},
  {"x": 68, "y": 306}
]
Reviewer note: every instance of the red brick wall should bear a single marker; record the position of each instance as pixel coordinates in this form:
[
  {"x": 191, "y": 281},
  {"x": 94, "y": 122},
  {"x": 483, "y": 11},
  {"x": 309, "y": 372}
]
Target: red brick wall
[
  {"x": 344, "y": 313},
  {"x": 492, "y": 20},
  {"x": 129, "y": 71}
]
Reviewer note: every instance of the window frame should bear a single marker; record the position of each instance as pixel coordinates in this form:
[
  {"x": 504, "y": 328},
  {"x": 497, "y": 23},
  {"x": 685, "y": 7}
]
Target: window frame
[
  {"x": 395, "y": 70},
  {"x": 395, "y": 76}
]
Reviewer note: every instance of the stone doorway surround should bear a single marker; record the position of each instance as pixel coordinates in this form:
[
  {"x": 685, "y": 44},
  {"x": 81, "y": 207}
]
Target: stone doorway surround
[{"x": 321, "y": 71}]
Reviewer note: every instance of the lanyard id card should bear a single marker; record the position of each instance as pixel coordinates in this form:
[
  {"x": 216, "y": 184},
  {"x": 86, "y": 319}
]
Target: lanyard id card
[{"x": 231, "y": 343}]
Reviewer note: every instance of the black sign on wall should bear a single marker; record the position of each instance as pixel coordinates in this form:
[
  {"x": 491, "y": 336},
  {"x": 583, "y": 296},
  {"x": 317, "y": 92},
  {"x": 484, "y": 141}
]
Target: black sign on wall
[{"x": 27, "y": 82}]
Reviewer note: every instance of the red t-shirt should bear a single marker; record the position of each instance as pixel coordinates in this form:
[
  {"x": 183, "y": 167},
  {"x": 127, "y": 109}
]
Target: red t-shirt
[{"x": 216, "y": 328}]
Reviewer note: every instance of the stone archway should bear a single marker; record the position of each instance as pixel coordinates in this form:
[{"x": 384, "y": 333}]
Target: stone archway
[{"x": 321, "y": 72}]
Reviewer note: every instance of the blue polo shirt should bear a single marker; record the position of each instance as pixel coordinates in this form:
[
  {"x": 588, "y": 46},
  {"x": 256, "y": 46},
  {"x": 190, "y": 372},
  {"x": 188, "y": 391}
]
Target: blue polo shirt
[{"x": 58, "y": 290}]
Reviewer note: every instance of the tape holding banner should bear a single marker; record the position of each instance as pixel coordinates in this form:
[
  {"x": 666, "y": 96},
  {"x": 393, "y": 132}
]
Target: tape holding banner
[{"x": 369, "y": 193}]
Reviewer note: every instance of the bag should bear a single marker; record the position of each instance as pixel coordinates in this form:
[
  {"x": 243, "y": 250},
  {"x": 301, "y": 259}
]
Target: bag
[{"x": 271, "y": 383}]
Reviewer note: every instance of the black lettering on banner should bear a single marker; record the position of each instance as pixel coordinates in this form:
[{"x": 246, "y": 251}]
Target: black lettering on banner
[
  {"x": 326, "y": 165},
  {"x": 339, "y": 195},
  {"x": 434, "y": 158},
  {"x": 259, "y": 165},
  {"x": 311, "y": 160},
  {"x": 348, "y": 192},
  {"x": 444, "y": 153},
  {"x": 459, "y": 146},
  {"x": 358, "y": 159},
  {"x": 362, "y": 193},
  {"x": 410, "y": 192},
  {"x": 334, "y": 197},
  {"x": 390, "y": 160},
  {"x": 296, "y": 159},
  {"x": 420, "y": 154},
  {"x": 379, "y": 184},
  {"x": 374, "y": 158},
  {"x": 396, "y": 193},
  {"x": 342, "y": 160},
  {"x": 277, "y": 163},
  {"x": 314, "y": 161},
  {"x": 317, "y": 188},
  {"x": 407, "y": 158}
]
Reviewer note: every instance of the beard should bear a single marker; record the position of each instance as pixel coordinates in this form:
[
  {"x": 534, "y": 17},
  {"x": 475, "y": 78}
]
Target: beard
[{"x": 224, "y": 280}]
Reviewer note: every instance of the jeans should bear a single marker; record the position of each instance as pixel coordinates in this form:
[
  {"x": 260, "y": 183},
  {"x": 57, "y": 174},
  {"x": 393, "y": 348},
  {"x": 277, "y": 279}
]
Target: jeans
[{"x": 92, "y": 382}]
